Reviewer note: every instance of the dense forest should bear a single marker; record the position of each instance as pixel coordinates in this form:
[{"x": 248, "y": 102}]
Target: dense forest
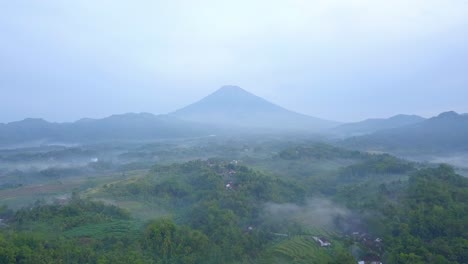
[{"x": 278, "y": 209}]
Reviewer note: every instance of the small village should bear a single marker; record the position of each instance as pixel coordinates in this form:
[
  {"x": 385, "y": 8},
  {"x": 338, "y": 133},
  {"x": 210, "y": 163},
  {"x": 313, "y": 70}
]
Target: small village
[{"x": 373, "y": 245}]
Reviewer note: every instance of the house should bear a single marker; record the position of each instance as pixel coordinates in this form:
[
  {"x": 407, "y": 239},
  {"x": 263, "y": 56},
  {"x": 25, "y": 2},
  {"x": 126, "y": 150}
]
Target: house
[
  {"x": 372, "y": 260},
  {"x": 322, "y": 241}
]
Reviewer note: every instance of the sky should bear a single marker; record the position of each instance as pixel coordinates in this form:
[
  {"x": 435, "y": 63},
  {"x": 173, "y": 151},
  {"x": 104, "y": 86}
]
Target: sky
[{"x": 343, "y": 60}]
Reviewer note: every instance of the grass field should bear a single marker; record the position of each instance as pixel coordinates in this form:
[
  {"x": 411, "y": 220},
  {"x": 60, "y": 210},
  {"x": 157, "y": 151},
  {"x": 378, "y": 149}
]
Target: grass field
[{"x": 25, "y": 195}]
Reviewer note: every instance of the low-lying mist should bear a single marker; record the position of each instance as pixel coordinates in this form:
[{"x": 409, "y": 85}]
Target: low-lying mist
[
  {"x": 316, "y": 212},
  {"x": 457, "y": 159}
]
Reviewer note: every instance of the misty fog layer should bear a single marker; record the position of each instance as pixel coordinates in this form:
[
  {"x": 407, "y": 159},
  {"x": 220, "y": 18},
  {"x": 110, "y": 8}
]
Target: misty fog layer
[{"x": 316, "y": 212}]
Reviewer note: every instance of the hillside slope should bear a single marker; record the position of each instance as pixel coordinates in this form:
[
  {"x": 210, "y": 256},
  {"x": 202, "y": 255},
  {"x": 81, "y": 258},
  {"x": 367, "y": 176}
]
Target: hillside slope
[{"x": 445, "y": 132}]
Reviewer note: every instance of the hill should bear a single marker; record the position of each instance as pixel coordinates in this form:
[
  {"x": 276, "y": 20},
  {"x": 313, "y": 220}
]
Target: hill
[
  {"x": 126, "y": 127},
  {"x": 370, "y": 126},
  {"x": 232, "y": 106},
  {"x": 445, "y": 132}
]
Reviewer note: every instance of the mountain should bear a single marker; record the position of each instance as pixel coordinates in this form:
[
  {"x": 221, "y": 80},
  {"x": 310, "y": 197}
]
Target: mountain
[
  {"x": 127, "y": 127},
  {"x": 233, "y": 107},
  {"x": 230, "y": 110},
  {"x": 369, "y": 126},
  {"x": 445, "y": 132}
]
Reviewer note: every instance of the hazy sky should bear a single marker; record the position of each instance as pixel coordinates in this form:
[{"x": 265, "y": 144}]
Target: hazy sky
[{"x": 337, "y": 59}]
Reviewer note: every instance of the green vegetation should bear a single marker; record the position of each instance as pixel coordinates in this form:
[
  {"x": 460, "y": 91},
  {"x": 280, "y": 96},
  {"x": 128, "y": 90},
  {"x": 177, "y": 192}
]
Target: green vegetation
[
  {"x": 301, "y": 249},
  {"x": 432, "y": 224},
  {"x": 269, "y": 205},
  {"x": 423, "y": 220}
]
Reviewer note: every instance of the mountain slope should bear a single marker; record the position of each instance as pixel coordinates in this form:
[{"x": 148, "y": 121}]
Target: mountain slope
[
  {"x": 231, "y": 106},
  {"x": 445, "y": 132},
  {"x": 369, "y": 126}
]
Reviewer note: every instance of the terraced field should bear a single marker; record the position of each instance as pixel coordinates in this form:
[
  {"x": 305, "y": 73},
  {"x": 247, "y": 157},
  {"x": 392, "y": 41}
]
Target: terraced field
[
  {"x": 323, "y": 232},
  {"x": 300, "y": 250},
  {"x": 114, "y": 229}
]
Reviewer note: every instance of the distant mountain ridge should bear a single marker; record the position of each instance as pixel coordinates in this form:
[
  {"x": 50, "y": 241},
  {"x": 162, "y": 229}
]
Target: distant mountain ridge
[
  {"x": 445, "y": 132},
  {"x": 230, "y": 110},
  {"x": 369, "y": 126},
  {"x": 234, "y": 111},
  {"x": 134, "y": 127},
  {"x": 232, "y": 106}
]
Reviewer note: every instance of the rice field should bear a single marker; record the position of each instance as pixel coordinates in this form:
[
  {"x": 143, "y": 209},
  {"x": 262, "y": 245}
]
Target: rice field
[{"x": 302, "y": 249}]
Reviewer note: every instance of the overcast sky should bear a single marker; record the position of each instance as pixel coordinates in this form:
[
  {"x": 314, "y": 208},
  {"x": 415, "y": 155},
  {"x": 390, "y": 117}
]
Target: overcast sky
[{"x": 343, "y": 60}]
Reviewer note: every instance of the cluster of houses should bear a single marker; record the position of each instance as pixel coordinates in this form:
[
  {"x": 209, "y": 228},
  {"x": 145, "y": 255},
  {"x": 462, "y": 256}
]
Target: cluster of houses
[
  {"x": 228, "y": 173},
  {"x": 373, "y": 244},
  {"x": 225, "y": 169}
]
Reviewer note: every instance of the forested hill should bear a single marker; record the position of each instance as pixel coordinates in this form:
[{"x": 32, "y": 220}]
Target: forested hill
[
  {"x": 422, "y": 220},
  {"x": 446, "y": 132}
]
